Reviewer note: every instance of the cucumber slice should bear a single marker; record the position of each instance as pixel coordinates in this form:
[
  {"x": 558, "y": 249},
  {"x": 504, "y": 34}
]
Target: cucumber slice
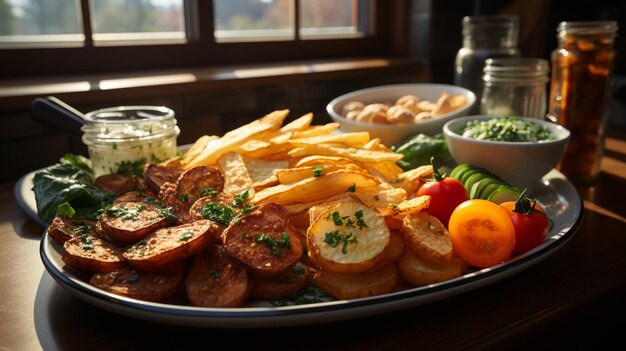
[
  {"x": 475, "y": 178},
  {"x": 504, "y": 193},
  {"x": 463, "y": 178},
  {"x": 487, "y": 187},
  {"x": 458, "y": 170},
  {"x": 477, "y": 188}
]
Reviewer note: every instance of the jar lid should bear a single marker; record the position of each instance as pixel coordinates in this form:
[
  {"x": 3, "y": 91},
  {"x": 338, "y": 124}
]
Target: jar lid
[
  {"x": 587, "y": 27},
  {"x": 129, "y": 123}
]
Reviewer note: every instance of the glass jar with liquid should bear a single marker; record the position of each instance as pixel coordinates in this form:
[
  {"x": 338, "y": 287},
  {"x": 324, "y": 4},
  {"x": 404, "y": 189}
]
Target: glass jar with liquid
[
  {"x": 515, "y": 87},
  {"x": 484, "y": 36},
  {"x": 582, "y": 72},
  {"x": 129, "y": 135}
]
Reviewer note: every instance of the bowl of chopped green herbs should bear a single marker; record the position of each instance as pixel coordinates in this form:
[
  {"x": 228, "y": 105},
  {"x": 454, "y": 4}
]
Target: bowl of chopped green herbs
[{"x": 519, "y": 150}]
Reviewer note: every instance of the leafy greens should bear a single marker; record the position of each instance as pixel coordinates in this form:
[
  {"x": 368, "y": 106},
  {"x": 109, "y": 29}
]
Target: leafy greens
[
  {"x": 418, "y": 149},
  {"x": 67, "y": 188}
]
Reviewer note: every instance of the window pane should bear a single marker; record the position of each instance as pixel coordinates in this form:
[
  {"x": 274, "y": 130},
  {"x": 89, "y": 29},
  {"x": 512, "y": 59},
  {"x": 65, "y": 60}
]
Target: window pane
[
  {"x": 30, "y": 21},
  {"x": 253, "y": 19},
  {"x": 337, "y": 18},
  {"x": 137, "y": 19}
]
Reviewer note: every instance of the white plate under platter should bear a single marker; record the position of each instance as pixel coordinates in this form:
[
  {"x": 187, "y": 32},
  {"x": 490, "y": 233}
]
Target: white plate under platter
[{"x": 556, "y": 194}]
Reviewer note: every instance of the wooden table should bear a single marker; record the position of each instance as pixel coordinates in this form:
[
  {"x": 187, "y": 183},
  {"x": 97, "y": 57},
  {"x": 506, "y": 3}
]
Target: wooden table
[{"x": 574, "y": 298}]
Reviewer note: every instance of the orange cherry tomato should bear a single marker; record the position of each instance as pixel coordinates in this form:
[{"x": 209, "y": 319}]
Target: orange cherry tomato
[{"x": 482, "y": 233}]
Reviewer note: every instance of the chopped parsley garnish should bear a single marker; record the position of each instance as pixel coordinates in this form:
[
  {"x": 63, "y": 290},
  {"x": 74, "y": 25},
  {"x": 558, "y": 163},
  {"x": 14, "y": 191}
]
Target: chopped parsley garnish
[
  {"x": 317, "y": 171},
  {"x": 133, "y": 279},
  {"x": 186, "y": 235},
  {"x": 334, "y": 238},
  {"x": 220, "y": 214},
  {"x": 224, "y": 214},
  {"x": 87, "y": 244},
  {"x": 184, "y": 198},
  {"x": 166, "y": 212},
  {"x": 208, "y": 192},
  {"x": 312, "y": 294},
  {"x": 241, "y": 200},
  {"x": 131, "y": 167},
  {"x": 352, "y": 188},
  {"x": 124, "y": 213},
  {"x": 214, "y": 274},
  {"x": 276, "y": 246}
]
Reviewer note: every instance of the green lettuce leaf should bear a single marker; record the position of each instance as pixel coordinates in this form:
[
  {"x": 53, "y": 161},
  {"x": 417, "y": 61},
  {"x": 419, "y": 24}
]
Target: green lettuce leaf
[
  {"x": 68, "y": 183},
  {"x": 418, "y": 150}
]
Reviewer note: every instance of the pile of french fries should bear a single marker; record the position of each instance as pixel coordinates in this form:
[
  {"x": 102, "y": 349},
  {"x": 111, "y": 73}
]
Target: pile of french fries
[{"x": 319, "y": 174}]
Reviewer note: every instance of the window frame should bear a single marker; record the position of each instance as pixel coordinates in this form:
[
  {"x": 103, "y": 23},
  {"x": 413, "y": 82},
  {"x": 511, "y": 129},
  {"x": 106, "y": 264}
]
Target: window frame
[{"x": 389, "y": 39}]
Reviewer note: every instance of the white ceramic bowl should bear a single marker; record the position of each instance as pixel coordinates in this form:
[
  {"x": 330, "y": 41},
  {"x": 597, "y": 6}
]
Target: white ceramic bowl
[
  {"x": 393, "y": 133},
  {"x": 521, "y": 164}
]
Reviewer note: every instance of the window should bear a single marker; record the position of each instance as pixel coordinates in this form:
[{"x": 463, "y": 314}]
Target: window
[{"x": 84, "y": 36}]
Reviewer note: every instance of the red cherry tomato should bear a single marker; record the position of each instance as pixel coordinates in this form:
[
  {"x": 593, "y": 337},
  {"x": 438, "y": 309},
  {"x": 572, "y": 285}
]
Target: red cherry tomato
[
  {"x": 530, "y": 222},
  {"x": 445, "y": 195}
]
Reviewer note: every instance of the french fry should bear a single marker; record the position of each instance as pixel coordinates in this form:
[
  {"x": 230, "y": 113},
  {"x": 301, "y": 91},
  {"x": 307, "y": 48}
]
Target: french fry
[
  {"x": 413, "y": 179},
  {"x": 263, "y": 172},
  {"x": 236, "y": 177},
  {"x": 317, "y": 130},
  {"x": 265, "y": 149},
  {"x": 356, "y": 139},
  {"x": 299, "y": 124},
  {"x": 317, "y": 160},
  {"x": 214, "y": 149},
  {"x": 408, "y": 207},
  {"x": 290, "y": 175},
  {"x": 379, "y": 197},
  {"x": 196, "y": 149},
  {"x": 316, "y": 188},
  {"x": 307, "y": 206},
  {"x": 360, "y": 155}
]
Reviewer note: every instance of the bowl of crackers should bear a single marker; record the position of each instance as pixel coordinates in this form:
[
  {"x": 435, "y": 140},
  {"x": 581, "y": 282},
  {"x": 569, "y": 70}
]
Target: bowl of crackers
[{"x": 395, "y": 112}]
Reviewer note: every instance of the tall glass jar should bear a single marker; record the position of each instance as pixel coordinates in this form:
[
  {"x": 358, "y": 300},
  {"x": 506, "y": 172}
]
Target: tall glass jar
[
  {"x": 484, "y": 36},
  {"x": 582, "y": 73},
  {"x": 515, "y": 87},
  {"x": 129, "y": 135}
]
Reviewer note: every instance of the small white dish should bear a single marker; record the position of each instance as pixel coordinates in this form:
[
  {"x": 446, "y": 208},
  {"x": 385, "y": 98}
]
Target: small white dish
[
  {"x": 390, "y": 134},
  {"x": 521, "y": 164}
]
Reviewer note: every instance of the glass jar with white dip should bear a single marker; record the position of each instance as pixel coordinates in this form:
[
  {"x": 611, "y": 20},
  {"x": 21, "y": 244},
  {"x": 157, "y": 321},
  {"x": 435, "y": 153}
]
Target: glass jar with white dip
[{"x": 125, "y": 135}]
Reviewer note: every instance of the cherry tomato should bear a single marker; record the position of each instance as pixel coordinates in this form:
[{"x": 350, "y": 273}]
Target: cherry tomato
[
  {"x": 445, "y": 195},
  {"x": 482, "y": 233},
  {"x": 530, "y": 222}
]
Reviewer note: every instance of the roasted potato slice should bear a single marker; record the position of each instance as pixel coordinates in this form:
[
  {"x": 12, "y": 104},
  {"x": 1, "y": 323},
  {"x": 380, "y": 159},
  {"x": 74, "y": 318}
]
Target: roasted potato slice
[
  {"x": 427, "y": 238},
  {"x": 346, "y": 286},
  {"x": 156, "y": 286},
  {"x": 62, "y": 229},
  {"x": 264, "y": 241},
  {"x": 294, "y": 281},
  {"x": 131, "y": 221},
  {"x": 419, "y": 272},
  {"x": 168, "y": 245},
  {"x": 88, "y": 253},
  {"x": 156, "y": 175},
  {"x": 348, "y": 238},
  {"x": 217, "y": 280}
]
